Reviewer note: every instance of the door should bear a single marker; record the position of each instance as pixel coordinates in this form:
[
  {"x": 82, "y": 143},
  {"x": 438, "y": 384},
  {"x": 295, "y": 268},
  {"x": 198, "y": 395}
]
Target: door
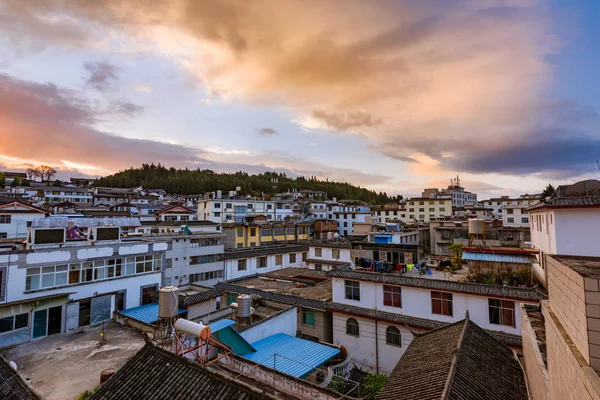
[
  {"x": 100, "y": 310},
  {"x": 120, "y": 301},
  {"x": 149, "y": 294},
  {"x": 54, "y": 320},
  {"x": 40, "y": 323},
  {"x": 72, "y": 316},
  {"x": 84, "y": 312},
  {"x": 408, "y": 258}
]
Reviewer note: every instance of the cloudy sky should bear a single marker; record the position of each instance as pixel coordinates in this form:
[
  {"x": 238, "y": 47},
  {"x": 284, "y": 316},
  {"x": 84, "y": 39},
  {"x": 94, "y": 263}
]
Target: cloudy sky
[{"x": 389, "y": 95}]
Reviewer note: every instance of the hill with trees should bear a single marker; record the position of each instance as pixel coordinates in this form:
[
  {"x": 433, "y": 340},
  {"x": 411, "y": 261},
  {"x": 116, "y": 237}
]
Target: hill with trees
[{"x": 186, "y": 181}]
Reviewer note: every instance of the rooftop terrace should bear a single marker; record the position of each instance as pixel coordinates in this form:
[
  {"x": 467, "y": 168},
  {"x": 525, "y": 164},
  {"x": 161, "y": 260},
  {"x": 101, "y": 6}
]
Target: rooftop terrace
[{"x": 587, "y": 267}]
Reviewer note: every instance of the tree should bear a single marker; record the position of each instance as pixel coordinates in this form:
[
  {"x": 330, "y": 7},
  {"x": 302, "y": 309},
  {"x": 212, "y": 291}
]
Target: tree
[
  {"x": 32, "y": 173},
  {"x": 46, "y": 172},
  {"x": 456, "y": 249},
  {"x": 16, "y": 182},
  {"x": 549, "y": 191},
  {"x": 25, "y": 182},
  {"x": 2, "y": 179}
]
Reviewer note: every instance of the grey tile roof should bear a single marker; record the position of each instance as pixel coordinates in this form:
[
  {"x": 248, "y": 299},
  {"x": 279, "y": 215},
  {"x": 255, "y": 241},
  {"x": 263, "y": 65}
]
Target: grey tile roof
[
  {"x": 282, "y": 298},
  {"x": 199, "y": 297},
  {"x": 12, "y": 386},
  {"x": 458, "y": 362},
  {"x": 506, "y": 338},
  {"x": 156, "y": 374},
  {"x": 571, "y": 201},
  {"x": 235, "y": 254},
  {"x": 531, "y": 294},
  {"x": 334, "y": 263},
  {"x": 63, "y": 222}
]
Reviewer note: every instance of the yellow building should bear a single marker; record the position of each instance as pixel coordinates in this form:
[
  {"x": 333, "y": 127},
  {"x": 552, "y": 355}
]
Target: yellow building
[{"x": 261, "y": 233}]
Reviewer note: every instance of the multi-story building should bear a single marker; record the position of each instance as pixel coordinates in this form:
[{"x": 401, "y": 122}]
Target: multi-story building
[
  {"x": 60, "y": 194},
  {"x": 515, "y": 215},
  {"x": 423, "y": 209},
  {"x": 325, "y": 255},
  {"x": 16, "y": 218},
  {"x": 375, "y": 315},
  {"x": 318, "y": 210},
  {"x": 459, "y": 196},
  {"x": 497, "y": 204},
  {"x": 566, "y": 223},
  {"x": 390, "y": 213},
  {"x": 345, "y": 216},
  {"x": 58, "y": 284},
  {"x": 240, "y": 263},
  {"x": 225, "y": 210},
  {"x": 258, "y": 232}
]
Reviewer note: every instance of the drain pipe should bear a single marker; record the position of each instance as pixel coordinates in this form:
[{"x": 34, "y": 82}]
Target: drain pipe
[{"x": 376, "y": 349}]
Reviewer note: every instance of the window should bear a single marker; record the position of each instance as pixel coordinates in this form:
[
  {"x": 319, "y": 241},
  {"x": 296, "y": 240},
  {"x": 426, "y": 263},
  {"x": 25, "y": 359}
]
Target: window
[
  {"x": 266, "y": 232},
  {"x": 149, "y": 294},
  {"x": 392, "y": 296},
  {"x": 509, "y": 211},
  {"x": 217, "y": 205},
  {"x": 502, "y": 312},
  {"x": 352, "y": 328},
  {"x": 304, "y": 256},
  {"x": 231, "y": 298},
  {"x": 261, "y": 262},
  {"x": 441, "y": 303},
  {"x": 217, "y": 214},
  {"x": 431, "y": 209},
  {"x": 392, "y": 336},
  {"x": 442, "y": 209},
  {"x": 352, "y": 290},
  {"x": 228, "y": 205},
  {"x": 241, "y": 265},
  {"x": 411, "y": 210},
  {"x": 292, "y": 258},
  {"x": 510, "y": 220},
  {"x": 278, "y": 259},
  {"x": 252, "y": 231},
  {"x": 269, "y": 206},
  {"x": 206, "y": 259},
  {"x": 308, "y": 317},
  {"x": 335, "y": 253},
  {"x": 279, "y": 231},
  {"x": 5, "y": 219},
  {"x": 240, "y": 232},
  {"x": 318, "y": 252},
  {"x": 318, "y": 267},
  {"x": 524, "y": 220},
  {"x": 3, "y": 235},
  {"x": 421, "y": 210},
  {"x": 13, "y": 322}
]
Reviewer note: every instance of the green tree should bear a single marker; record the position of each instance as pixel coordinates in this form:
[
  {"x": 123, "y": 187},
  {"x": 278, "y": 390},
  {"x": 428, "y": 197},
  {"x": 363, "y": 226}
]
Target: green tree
[
  {"x": 16, "y": 182},
  {"x": 372, "y": 385},
  {"x": 2, "y": 179},
  {"x": 25, "y": 182},
  {"x": 549, "y": 191},
  {"x": 456, "y": 249}
]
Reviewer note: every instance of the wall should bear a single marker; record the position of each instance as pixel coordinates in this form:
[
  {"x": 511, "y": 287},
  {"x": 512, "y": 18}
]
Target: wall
[
  {"x": 576, "y": 231},
  {"x": 416, "y": 302},
  {"x": 363, "y": 350},
  {"x": 231, "y": 266},
  {"x": 569, "y": 375},
  {"x": 566, "y": 291},
  {"x": 322, "y": 328},
  {"x": 536, "y": 372},
  {"x": 180, "y": 252},
  {"x": 18, "y": 224},
  {"x": 283, "y": 322},
  {"x": 203, "y": 309}
]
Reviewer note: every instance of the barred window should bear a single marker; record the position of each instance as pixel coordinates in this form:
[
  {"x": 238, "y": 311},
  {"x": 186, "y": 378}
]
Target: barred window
[
  {"x": 392, "y": 336},
  {"x": 352, "y": 327},
  {"x": 502, "y": 312}
]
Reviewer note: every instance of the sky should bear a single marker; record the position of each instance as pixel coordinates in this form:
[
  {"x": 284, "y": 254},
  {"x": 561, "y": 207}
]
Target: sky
[{"x": 394, "y": 96}]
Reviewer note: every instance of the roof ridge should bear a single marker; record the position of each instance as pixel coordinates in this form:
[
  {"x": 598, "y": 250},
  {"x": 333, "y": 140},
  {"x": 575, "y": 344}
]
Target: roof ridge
[{"x": 450, "y": 378}]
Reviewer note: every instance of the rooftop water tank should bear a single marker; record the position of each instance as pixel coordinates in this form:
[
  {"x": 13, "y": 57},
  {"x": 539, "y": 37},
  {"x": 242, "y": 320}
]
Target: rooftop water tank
[
  {"x": 198, "y": 330},
  {"x": 244, "y": 306},
  {"x": 476, "y": 227},
  {"x": 168, "y": 302}
]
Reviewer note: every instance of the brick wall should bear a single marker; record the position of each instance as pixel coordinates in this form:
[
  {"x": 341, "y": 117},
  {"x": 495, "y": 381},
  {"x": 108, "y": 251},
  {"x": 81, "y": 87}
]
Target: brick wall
[
  {"x": 592, "y": 303},
  {"x": 535, "y": 369},
  {"x": 570, "y": 377},
  {"x": 567, "y": 297}
]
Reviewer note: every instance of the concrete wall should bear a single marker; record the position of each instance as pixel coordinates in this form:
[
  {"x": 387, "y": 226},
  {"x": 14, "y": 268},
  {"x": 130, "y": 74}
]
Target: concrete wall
[
  {"x": 180, "y": 252},
  {"x": 567, "y": 294},
  {"x": 416, "y": 302},
  {"x": 535, "y": 369},
  {"x": 577, "y": 231},
  {"x": 363, "y": 349},
  {"x": 569, "y": 374},
  {"x": 283, "y": 322},
  {"x": 322, "y": 328},
  {"x": 18, "y": 224},
  {"x": 327, "y": 253},
  {"x": 231, "y": 266}
]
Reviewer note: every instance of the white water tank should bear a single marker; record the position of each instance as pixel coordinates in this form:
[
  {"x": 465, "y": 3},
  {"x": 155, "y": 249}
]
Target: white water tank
[
  {"x": 197, "y": 329},
  {"x": 476, "y": 227},
  {"x": 244, "y": 306},
  {"x": 168, "y": 302}
]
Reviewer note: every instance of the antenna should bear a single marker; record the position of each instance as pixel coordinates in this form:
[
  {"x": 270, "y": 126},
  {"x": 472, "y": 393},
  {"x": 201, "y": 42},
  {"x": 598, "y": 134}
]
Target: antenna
[{"x": 597, "y": 162}]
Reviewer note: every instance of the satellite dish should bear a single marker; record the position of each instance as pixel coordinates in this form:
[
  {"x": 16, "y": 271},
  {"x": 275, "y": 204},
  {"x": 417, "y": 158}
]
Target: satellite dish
[
  {"x": 13, "y": 365},
  {"x": 588, "y": 187}
]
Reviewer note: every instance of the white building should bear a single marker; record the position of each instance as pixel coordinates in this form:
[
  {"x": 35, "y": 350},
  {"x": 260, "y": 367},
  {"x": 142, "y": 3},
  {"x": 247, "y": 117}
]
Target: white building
[
  {"x": 497, "y": 204},
  {"x": 425, "y": 209},
  {"x": 57, "y": 285},
  {"x": 459, "y": 196},
  {"x": 346, "y": 216},
  {"x": 375, "y": 314},
  {"x": 16, "y": 218},
  {"x": 60, "y": 194},
  {"x": 240, "y": 263},
  {"x": 318, "y": 210},
  {"x": 233, "y": 210},
  {"x": 324, "y": 256},
  {"x": 515, "y": 216},
  {"x": 566, "y": 224}
]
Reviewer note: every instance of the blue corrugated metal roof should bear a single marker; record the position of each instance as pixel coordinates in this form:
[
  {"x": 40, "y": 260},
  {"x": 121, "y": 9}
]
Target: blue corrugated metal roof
[
  {"x": 147, "y": 313},
  {"x": 222, "y": 324},
  {"x": 298, "y": 356},
  {"x": 504, "y": 258}
]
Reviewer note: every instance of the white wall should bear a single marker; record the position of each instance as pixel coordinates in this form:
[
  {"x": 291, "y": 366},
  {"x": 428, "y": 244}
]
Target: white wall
[
  {"x": 18, "y": 224},
  {"x": 231, "y": 266},
  {"x": 284, "y": 322},
  {"x": 327, "y": 253},
  {"x": 577, "y": 231},
  {"x": 416, "y": 302},
  {"x": 363, "y": 350}
]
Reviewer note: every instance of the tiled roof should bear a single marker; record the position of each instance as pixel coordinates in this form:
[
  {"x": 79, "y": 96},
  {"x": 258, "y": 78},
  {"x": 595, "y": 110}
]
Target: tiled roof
[
  {"x": 436, "y": 284},
  {"x": 571, "y": 201},
  {"x": 236, "y": 254},
  {"x": 506, "y": 338},
  {"x": 457, "y": 362},
  {"x": 334, "y": 263},
  {"x": 156, "y": 374},
  {"x": 282, "y": 298},
  {"x": 12, "y": 386},
  {"x": 199, "y": 297}
]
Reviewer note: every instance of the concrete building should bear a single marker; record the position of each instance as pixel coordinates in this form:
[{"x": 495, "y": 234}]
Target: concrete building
[
  {"x": 60, "y": 194},
  {"x": 325, "y": 255},
  {"x": 422, "y": 209},
  {"x": 566, "y": 223},
  {"x": 225, "y": 210},
  {"x": 258, "y": 232},
  {"x": 561, "y": 345},
  {"x": 16, "y": 218},
  {"x": 497, "y": 203},
  {"x": 515, "y": 215},
  {"x": 375, "y": 315},
  {"x": 346, "y": 216},
  {"x": 57, "y": 285},
  {"x": 318, "y": 210},
  {"x": 455, "y": 192},
  {"x": 306, "y": 289},
  {"x": 240, "y": 263},
  {"x": 390, "y": 213}
]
